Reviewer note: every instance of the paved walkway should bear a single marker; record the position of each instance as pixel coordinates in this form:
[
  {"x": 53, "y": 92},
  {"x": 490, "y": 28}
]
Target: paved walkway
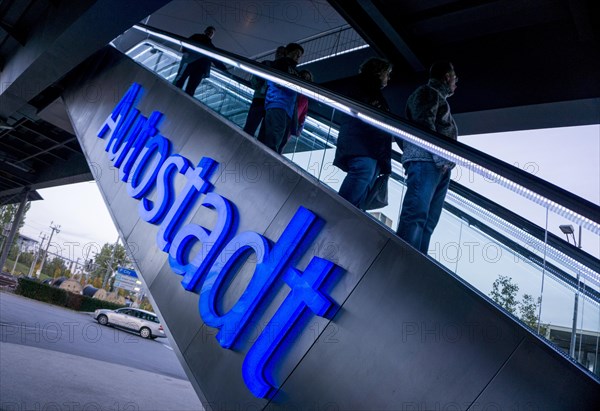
[{"x": 68, "y": 382}]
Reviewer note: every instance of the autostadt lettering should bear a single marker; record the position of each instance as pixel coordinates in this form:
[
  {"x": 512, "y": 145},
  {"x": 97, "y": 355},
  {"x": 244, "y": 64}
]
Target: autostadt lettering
[{"x": 145, "y": 161}]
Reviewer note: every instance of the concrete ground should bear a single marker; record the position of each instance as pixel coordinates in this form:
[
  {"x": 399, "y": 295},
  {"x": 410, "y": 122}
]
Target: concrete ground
[
  {"x": 67, "y": 382},
  {"x": 41, "y": 379}
]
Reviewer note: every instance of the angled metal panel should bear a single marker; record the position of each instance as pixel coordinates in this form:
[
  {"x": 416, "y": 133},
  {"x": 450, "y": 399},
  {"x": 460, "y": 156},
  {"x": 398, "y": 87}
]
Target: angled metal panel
[
  {"x": 512, "y": 385},
  {"x": 407, "y": 332},
  {"x": 417, "y": 339}
]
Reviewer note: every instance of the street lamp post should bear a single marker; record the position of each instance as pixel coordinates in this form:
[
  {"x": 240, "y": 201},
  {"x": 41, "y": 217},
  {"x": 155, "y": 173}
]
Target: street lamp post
[
  {"x": 54, "y": 228},
  {"x": 16, "y": 261},
  {"x": 568, "y": 229},
  {"x": 109, "y": 269}
]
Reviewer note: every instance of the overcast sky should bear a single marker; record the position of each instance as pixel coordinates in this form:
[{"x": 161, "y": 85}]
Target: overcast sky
[{"x": 80, "y": 212}]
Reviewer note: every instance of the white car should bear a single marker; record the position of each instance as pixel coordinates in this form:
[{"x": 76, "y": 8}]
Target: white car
[{"x": 144, "y": 322}]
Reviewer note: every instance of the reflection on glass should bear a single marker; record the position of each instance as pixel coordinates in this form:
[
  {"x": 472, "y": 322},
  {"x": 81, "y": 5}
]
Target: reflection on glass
[{"x": 552, "y": 287}]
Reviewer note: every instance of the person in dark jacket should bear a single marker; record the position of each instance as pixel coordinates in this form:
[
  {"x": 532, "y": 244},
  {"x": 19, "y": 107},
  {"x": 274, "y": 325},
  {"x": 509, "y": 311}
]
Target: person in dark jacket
[
  {"x": 195, "y": 67},
  {"x": 256, "y": 112},
  {"x": 280, "y": 102},
  {"x": 363, "y": 151},
  {"x": 428, "y": 175}
]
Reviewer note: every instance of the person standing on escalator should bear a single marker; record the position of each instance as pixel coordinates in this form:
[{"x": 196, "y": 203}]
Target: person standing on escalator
[
  {"x": 194, "y": 66},
  {"x": 428, "y": 175},
  {"x": 280, "y": 101},
  {"x": 301, "y": 112},
  {"x": 256, "y": 112},
  {"x": 363, "y": 151}
]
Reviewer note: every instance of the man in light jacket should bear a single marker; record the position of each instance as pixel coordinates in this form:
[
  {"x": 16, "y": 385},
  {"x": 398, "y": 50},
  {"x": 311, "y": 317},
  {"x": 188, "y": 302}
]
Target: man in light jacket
[{"x": 428, "y": 175}]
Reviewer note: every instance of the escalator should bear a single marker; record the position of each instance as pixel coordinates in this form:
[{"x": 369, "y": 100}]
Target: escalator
[{"x": 278, "y": 294}]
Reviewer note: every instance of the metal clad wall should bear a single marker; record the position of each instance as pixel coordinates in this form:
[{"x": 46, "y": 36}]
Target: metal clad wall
[
  {"x": 408, "y": 335},
  {"x": 409, "y": 327}
]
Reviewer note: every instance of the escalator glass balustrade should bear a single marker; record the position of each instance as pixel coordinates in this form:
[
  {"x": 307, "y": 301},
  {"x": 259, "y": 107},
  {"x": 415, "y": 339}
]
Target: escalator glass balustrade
[{"x": 499, "y": 231}]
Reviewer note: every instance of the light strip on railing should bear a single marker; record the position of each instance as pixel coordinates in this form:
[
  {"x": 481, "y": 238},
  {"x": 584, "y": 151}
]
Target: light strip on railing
[
  {"x": 304, "y": 63},
  {"x": 503, "y": 181},
  {"x": 515, "y": 232},
  {"x": 589, "y": 300},
  {"x": 527, "y": 238},
  {"x": 551, "y": 274},
  {"x": 187, "y": 45},
  {"x": 299, "y": 89},
  {"x": 217, "y": 79},
  {"x": 517, "y": 188},
  {"x": 474, "y": 209}
]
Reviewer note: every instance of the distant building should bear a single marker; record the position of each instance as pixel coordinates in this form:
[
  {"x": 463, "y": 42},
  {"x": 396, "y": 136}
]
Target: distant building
[
  {"x": 26, "y": 244},
  {"x": 586, "y": 345}
]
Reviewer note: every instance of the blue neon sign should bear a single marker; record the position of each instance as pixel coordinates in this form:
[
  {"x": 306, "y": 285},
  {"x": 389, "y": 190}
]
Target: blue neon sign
[{"x": 146, "y": 162}]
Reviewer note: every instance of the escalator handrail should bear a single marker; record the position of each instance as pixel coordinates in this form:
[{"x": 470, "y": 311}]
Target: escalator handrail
[
  {"x": 528, "y": 228},
  {"x": 574, "y": 257},
  {"x": 589, "y": 290},
  {"x": 571, "y": 206},
  {"x": 577, "y": 254}
]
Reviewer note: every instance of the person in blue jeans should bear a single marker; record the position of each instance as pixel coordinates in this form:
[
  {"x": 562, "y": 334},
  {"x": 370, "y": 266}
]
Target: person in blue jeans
[
  {"x": 280, "y": 102},
  {"x": 256, "y": 112},
  {"x": 364, "y": 151},
  {"x": 428, "y": 175}
]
